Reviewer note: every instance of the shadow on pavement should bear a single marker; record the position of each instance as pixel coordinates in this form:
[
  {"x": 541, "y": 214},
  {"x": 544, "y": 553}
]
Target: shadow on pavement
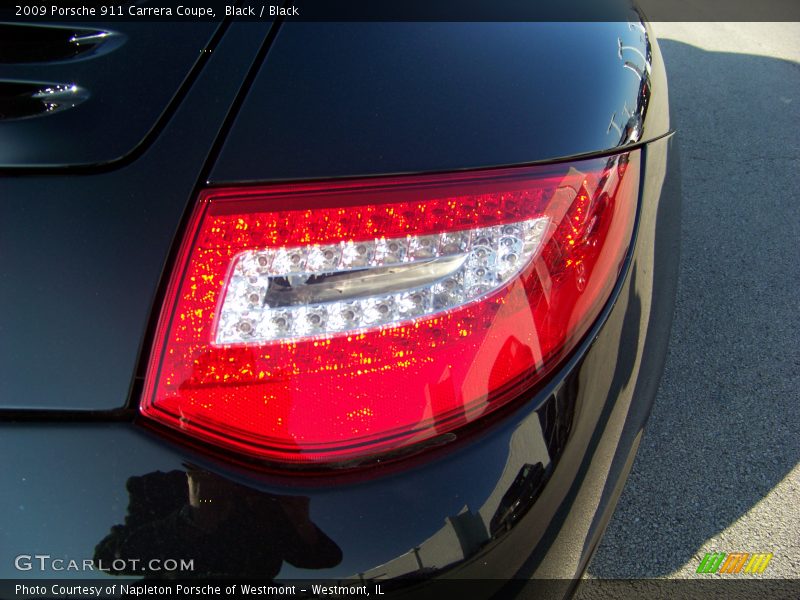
[{"x": 724, "y": 429}]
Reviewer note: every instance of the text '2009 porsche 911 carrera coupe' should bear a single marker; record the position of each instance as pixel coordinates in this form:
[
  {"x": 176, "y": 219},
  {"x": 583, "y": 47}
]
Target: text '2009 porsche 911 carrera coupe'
[{"x": 363, "y": 302}]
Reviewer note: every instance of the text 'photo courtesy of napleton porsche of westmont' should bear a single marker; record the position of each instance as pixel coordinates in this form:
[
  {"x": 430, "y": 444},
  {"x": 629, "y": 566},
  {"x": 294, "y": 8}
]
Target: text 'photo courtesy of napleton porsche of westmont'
[{"x": 403, "y": 299}]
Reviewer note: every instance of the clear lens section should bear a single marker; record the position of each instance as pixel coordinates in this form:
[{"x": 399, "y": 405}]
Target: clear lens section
[{"x": 289, "y": 293}]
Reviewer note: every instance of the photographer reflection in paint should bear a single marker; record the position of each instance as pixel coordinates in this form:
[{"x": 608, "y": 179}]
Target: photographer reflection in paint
[{"x": 223, "y": 527}]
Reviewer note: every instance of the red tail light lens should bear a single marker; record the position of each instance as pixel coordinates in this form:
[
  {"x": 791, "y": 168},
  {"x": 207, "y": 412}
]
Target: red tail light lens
[{"x": 318, "y": 323}]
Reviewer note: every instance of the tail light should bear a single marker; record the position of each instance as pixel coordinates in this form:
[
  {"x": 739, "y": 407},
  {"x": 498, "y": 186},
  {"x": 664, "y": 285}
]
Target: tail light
[{"x": 325, "y": 322}]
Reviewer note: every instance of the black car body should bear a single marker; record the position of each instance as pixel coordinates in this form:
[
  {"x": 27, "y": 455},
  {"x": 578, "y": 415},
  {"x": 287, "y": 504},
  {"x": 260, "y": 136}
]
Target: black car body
[{"x": 96, "y": 198}]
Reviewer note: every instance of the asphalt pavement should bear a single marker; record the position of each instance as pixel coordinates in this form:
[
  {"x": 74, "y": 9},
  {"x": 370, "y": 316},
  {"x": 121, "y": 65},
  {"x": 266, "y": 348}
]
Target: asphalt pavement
[{"x": 717, "y": 468}]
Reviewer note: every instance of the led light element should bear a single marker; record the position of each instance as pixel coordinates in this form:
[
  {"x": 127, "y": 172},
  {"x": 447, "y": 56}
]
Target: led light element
[
  {"x": 272, "y": 297},
  {"x": 331, "y": 323}
]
